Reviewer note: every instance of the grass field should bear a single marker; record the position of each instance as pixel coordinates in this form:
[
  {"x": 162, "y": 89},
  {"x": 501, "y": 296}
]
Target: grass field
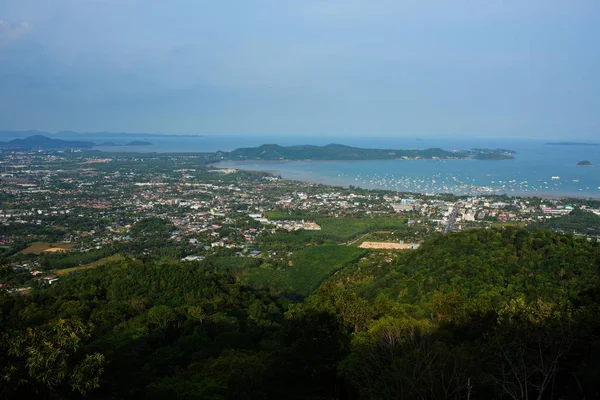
[
  {"x": 284, "y": 215},
  {"x": 342, "y": 229},
  {"x": 102, "y": 261},
  {"x": 40, "y": 247},
  {"x": 311, "y": 266}
]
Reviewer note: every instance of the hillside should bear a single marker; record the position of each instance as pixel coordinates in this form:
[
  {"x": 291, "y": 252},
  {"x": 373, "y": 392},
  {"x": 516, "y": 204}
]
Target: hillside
[
  {"x": 577, "y": 222},
  {"x": 468, "y": 307}
]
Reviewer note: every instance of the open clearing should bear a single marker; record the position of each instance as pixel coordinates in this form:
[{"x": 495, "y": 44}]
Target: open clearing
[
  {"x": 310, "y": 267},
  {"x": 102, "y": 261},
  {"x": 341, "y": 229},
  {"x": 41, "y": 247},
  {"x": 388, "y": 246}
]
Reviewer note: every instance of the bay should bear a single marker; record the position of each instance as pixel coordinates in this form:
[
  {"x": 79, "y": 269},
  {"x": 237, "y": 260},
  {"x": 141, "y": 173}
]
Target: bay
[{"x": 538, "y": 169}]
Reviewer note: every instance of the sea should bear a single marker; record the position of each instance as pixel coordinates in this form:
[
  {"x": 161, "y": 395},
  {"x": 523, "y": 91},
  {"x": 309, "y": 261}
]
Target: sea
[{"x": 537, "y": 170}]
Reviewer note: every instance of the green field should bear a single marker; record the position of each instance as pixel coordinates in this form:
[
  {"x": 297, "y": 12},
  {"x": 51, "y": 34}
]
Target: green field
[
  {"x": 311, "y": 266},
  {"x": 338, "y": 230},
  {"x": 277, "y": 215},
  {"x": 95, "y": 264}
]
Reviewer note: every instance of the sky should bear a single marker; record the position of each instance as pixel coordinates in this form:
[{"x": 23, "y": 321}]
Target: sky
[{"x": 425, "y": 68}]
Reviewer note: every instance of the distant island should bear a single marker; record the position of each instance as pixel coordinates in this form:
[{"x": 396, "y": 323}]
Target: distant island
[
  {"x": 571, "y": 144},
  {"x": 585, "y": 163},
  {"x": 108, "y": 136},
  {"x": 132, "y": 143},
  {"x": 342, "y": 152},
  {"x": 40, "y": 142},
  {"x": 139, "y": 143},
  {"x": 44, "y": 143}
]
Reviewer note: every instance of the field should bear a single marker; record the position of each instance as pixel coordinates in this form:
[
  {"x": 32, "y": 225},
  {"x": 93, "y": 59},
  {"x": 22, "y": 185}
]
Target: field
[
  {"x": 339, "y": 230},
  {"x": 102, "y": 261},
  {"x": 311, "y": 266},
  {"x": 41, "y": 247}
]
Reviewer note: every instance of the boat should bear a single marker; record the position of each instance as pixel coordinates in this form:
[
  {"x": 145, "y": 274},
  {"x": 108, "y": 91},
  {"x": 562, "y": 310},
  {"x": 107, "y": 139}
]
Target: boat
[{"x": 555, "y": 178}]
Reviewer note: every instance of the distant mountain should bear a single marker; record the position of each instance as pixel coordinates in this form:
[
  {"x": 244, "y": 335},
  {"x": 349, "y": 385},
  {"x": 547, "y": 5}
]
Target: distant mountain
[
  {"x": 71, "y": 135},
  {"x": 139, "y": 143},
  {"x": 43, "y": 142},
  {"x": 342, "y": 152},
  {"x": 572, "y": 144}
]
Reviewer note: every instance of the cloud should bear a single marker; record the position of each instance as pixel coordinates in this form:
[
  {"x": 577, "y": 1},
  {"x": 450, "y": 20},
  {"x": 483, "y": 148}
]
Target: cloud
[{"x": 11, "y": 30}]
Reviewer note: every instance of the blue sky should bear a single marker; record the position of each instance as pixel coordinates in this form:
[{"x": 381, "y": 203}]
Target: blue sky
[{"x": 430, "y": 68}]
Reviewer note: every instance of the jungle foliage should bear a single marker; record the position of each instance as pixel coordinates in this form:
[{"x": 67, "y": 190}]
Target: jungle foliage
[{"x": 482, "y": 314}]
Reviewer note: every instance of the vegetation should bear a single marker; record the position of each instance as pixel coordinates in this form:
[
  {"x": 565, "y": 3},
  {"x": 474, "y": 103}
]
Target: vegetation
[
  {"x": 40, "y": 247},
  {"x": 334, "y": 230},
  {"x": 306, "y": 270},
  {"x": 94, "y": 264},
  {"x": 577, "y": 222},
  {"x": 489, "y": 313}
]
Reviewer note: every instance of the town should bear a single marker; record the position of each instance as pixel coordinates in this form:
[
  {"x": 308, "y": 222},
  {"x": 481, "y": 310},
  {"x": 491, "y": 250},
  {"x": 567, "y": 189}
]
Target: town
[{"x": 62, "y": 211}]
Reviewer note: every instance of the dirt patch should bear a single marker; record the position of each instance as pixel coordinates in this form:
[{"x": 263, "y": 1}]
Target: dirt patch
[
  {"x": 389, "y": 246},
  {"x": 56, "y": 250},
  {"x": 42, "y": 247}
]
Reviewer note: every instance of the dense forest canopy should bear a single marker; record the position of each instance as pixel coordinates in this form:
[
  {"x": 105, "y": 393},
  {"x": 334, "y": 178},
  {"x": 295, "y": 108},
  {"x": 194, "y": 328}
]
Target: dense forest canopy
[{"x": 489, "y": 313}]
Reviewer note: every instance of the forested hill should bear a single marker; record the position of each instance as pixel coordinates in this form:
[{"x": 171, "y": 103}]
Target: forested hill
[
  {"x": 577, "y": 222},
  {"x": 481, "y": 314},
  {"x": 43, "y": 142},
  {"x": 341, "y": 152}
]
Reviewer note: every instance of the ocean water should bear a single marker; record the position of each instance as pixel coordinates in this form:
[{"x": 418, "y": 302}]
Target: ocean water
[{"x": 537, "y": 169}]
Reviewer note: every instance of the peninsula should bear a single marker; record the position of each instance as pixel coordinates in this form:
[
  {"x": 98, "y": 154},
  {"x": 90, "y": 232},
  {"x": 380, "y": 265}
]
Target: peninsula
[{"x": 342, "y": 152}]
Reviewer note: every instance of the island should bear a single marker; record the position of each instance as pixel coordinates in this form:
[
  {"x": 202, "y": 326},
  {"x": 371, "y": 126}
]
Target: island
[
  {"x": 585, "y": 163},
  {"x": 109, "y": 144},
  {"x": 571, "y": 144},
  {"x": 40, "y": 142},
  {"x": 342, "y": 152},
  {"x": 139, "y": 143}
]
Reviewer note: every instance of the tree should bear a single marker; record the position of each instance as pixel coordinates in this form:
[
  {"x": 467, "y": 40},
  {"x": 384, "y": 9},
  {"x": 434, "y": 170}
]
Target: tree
[
  {"x": 527, "y": 347},
  {"x": 161, "y": 316},
  {"x": 46, "y": 356}
]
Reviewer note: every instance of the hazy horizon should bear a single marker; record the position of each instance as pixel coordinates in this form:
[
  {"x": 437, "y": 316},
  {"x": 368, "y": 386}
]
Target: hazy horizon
[
  {"x": 377, "y": 141},
  {"x": 313, "y": 68}
]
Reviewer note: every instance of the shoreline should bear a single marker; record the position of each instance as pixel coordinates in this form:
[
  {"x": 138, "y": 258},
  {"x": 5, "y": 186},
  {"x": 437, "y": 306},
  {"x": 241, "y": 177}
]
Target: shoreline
[{"x": 333, "y": 183}]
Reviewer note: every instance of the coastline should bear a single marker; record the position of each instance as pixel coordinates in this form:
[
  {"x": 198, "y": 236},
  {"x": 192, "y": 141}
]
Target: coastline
[{"x": 343, "y": 183}]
